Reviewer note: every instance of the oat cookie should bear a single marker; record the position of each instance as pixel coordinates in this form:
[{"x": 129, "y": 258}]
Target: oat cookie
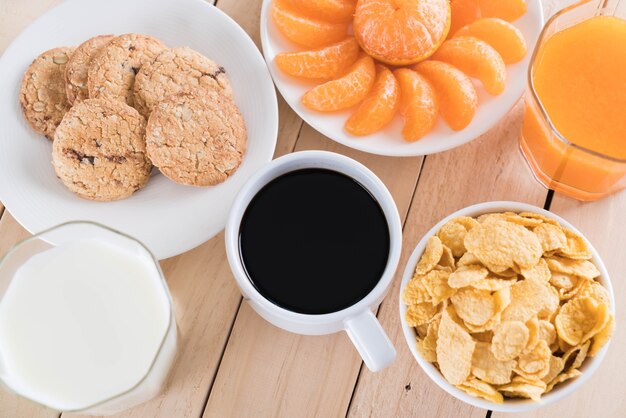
[
  {"x": 177, "y": 70},
  {"x": 196, "y": 138},
  {"x": 42, "y": 94},
  {"x": 112, "y": 71},
  {"x": 99, "y": 150},
  {"x": 77, "y": 66}
]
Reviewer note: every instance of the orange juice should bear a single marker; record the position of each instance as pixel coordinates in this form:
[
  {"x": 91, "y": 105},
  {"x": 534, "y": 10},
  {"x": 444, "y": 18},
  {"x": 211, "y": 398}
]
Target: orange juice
[{"x": 574, "y": 133}]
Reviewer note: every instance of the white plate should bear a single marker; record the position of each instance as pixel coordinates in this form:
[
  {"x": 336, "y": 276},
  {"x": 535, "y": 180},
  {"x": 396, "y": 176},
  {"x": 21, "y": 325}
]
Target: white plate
[
  {"x": 588, "y": 368},
  {"x": 389, "y": 140},
  {"x": 169, "y": 218}
]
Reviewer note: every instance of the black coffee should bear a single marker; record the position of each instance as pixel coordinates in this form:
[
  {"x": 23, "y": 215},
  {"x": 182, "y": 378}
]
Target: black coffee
[{"x": 314, "y": 241}]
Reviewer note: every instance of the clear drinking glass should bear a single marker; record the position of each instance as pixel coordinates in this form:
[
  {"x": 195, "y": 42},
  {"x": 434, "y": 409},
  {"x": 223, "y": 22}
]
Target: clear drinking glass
[
  {"x": 154, "y": 379},
  {"x": 556, "y": 162}
]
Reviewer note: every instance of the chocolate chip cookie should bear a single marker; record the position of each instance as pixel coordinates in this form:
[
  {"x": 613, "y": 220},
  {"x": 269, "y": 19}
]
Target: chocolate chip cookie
[
  {"x": 99, "y": 150},
  {"x": 196, "y": 138},
  {"x": 112, "y": 72},
  {"x": 77, "y": 66},
  {"x": 42, "y": 94},
  {"x": 177, "y": 70}
]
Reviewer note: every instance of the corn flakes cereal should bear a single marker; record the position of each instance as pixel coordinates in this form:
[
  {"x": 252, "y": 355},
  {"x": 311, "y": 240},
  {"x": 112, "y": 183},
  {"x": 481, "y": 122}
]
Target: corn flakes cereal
[
  {"x": 488, "y": 368},
  {"x": 474, "y": 306},
  {"x": 528, "y": 298},
  {"x": 420, "y": 314},
  {"x": 503, "y": 244},
  {"x": 436, "y": 284},
  {"x": 467, "y": 275},
  {"x": 575, "y": 247},
  {"x": 428, "y": 345},
  {"x": 581, "y": 268},
  {"x": 521, "y": 387},
  {"x": 537, "y": 361},
  {"x": 596, "y": 291},
  {"x": 602, "y": 337},
  {"x": 562, "y": 378},
  {"x": 556, "y": 366},
  {"x": 415, "y": 292},
  {"x": 580, "y": 319},
  {"x": 447, "y": 259},
  {"x": 455, "y": 348},
  {"x": 551, "y": 237},
  {"x": 507, "y": 305},
  {"x": 509, "y": 340},
  {"x": 468, "y": 259},
  {"x": 539, "y": 271},
  {"x": 478, "y": 388},
  {"x": 432, "y": 255},
  {"x": 453, "y": 232}
]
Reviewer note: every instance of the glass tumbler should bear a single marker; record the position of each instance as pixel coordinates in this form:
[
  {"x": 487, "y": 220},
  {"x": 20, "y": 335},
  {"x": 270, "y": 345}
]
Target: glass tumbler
[
  {"x": 148, "y": 381},
  {"x": 555, "y": 161}
]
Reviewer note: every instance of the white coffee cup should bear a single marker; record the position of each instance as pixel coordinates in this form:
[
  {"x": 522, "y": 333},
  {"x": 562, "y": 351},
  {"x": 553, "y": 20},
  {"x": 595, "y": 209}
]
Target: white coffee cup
[{"x": 357, "y": 320}]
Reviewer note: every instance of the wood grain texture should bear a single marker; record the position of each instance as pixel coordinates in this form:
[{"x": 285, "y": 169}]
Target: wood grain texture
[
  {"x": 270, "y": 372},
  {"x": 489, "y": 168},
  {"x": 15, "y": 15},
  {"x": 251, "y": 368}
]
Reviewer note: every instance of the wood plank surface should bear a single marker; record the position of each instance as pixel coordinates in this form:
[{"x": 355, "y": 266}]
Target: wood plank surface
[{"x": 233, "y": 363}]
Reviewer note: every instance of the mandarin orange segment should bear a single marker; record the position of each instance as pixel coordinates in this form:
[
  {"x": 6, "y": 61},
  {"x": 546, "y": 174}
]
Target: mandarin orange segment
[
  {"x": 337, "y": 11},
  {"x": 463, "y": 13},
  {"x": 508, "y": 10},
  {"x": 343, "y": 92},
  {"x": 401, "y": 32},
  {"x": 455, "y": 92},
  {"x": 321, "y": 63},
  {"x": 304, "y": 30},
  {"x": 379, "y": 106},
  {"x": 418, "y": 104},
  {"x": 477, "y": 59},
  {"x": 501, "y": 35}
]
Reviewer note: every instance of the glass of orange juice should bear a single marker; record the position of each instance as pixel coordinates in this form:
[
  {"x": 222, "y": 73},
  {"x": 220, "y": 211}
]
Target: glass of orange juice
[{"x": 574, "y": 131}]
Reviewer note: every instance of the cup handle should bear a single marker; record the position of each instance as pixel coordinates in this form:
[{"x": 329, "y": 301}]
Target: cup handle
[{"x": 370, "y": 340}]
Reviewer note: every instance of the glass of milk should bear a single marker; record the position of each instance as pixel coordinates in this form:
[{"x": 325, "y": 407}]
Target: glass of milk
[{"x": 86, "y": 323}]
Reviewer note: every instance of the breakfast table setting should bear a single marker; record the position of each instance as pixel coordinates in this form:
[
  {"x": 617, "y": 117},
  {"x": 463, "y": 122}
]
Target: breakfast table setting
[{"x": 232, "y": 346}]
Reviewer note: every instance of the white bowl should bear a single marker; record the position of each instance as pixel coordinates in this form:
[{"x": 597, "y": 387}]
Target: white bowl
[
  {"x": 560, "y": 391},
  {"x": 389, "y": 140},
  {"x": 169, "y": 218}
]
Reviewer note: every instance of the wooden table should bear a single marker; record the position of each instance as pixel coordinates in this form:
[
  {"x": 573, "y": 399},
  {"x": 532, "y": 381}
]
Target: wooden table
[{"x": 234, "y": 364}]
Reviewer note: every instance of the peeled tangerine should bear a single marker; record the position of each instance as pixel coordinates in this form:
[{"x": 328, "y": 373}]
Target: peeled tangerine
[
  {"x": 305, "y": 30},
  {"x": 508, "y": 10},
  {"x": 379, "y": 107},
  {"x": 477, "y": 59},
  {"x": 500, "y": 34},
  {"x": 418, "y": 104},
  {"x": 401, "y": 32},
  {"x": 463, "y": 12},
  {"x": 456, "y": 93},
  {"x": 327, "y": 62},
  {"x": 343, "y": 92},
  {"x": 337, "y": 11}
]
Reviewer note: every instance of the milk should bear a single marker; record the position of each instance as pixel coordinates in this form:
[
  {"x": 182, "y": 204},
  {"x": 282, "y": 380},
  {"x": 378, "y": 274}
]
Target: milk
[{"x": 85, "y": 322}]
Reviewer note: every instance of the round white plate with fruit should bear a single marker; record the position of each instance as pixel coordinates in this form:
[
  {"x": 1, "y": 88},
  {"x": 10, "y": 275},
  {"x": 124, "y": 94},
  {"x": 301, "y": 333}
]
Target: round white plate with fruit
[{"x": 307, "y": 44}]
